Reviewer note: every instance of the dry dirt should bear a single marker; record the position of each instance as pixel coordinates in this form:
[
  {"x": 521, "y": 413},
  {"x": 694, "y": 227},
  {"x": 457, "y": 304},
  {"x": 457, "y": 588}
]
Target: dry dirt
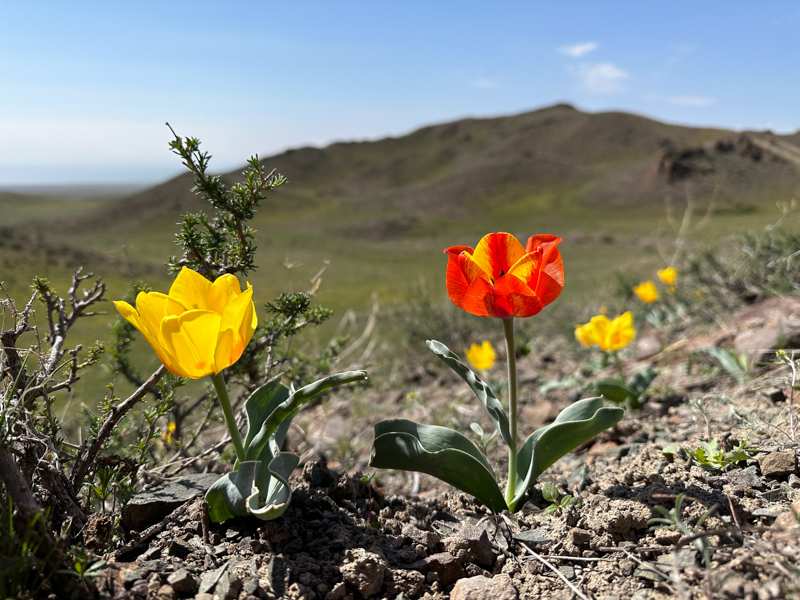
[{"x": 404, "y": 536}]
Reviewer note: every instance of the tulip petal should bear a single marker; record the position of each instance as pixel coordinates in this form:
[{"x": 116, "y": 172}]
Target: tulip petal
[
  {"x": 471, "y": 268},
  {"x": 191, "y": 339},
  {"x": 473, "y": 300},
  {"x": 152, "y": 307},
  {"x": 551, "y": 274},
  {"x": 601, "y": 328},
  {"x": 515, "y": 297},
  {"x": 191, "y": 290},
  {"x": 240, "y": 319},
  {"x": 496, "y": 253},
  {"x": 223, "y": 357},
  {"x": 129, "y": 314},
  {"x": 456, "y": 283},
  {"x": 223, "y": 290}
]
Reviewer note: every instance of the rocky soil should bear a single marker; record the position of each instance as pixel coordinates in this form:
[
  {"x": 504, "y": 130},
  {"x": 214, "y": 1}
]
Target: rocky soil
[{"x": 400, "y": 536}]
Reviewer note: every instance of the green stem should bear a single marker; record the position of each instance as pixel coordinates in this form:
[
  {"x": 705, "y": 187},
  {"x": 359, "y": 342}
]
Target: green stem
[
  {"x": 619, "y": 366},
  {"x": 222, "y": 392},
  {"x": 508, "y": 328}
]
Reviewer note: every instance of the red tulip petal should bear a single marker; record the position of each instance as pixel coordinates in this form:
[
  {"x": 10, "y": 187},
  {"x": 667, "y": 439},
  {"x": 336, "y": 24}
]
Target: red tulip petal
[
  {"x": 551, "y": 275},
  {"x": 496, "y": 253},
  {"x": 518, "y": 300},
  {"x": 457, "y": 284},
  {"x": 474, "y": 299}
]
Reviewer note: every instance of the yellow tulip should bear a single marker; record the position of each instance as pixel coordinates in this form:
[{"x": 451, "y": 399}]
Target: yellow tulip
[
  {"x": 613, "y": 335},
  {"x": 647, "y": 292},
  {"x": 481, "y": 357},
  {"x": 585, "y": 334},
  {"x": 199, "y": 328},
  {"x": 667, "y": 276}
]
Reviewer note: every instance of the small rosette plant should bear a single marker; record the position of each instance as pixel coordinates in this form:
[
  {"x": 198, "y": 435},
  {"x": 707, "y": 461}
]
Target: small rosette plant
[
  {"x": 611, "y": 336},
  {"x": 501, "y": 279},
  {"x": 201, "y": 328}
]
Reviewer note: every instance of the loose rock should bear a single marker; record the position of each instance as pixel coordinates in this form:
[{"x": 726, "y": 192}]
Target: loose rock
[
  {"x": 778, "y": 464},
  {"x": 482, "y": 588}
]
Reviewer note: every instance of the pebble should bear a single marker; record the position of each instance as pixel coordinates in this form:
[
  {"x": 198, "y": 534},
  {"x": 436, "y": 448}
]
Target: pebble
[
  {"x": 778, "y": 464},
  {"x": 535, "y": 537},
  {"x": 183, "y": 582},
  {"x": 482, "y": 588}
]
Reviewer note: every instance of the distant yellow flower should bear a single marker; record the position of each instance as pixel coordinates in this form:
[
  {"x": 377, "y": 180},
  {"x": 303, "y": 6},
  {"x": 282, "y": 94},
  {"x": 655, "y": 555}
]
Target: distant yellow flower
[
  {"x": 647, "y": 292},
  {"x": 200, "y": 328},
  {"x": 612, "y": 335},
  {"x": 667, "y": 276},
  {"x": 481, "y": 357},
  {"x": 170, "y": 430},
  {"x": 585, "y": 334}
]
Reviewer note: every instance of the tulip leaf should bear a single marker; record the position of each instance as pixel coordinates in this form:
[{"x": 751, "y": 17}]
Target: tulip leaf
[
  {"x": 614, "y": 390},
  {"x": 259, "y": 485},
  {"x": 642, "y": 380},
  {"x": 484, "y": 393},
  {"x": 573, "y": 426},
  {"x": 227, "y": 497},
  {"x": 289, "y": 407},
  {"x": 438, "y": 451}
]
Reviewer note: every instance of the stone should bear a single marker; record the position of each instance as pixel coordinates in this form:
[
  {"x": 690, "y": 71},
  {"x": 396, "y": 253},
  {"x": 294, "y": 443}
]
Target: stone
[
  {"x": 337, "y": 593},
  {"x": 535, "y": 537},
  {"x": 474, "y": 542},
  {"x": 648, "y": 574},
  {"x": 228, "y": 586},
  {"x": 778, "y": 464},
  {"x": 209, "y": 579},
  {"x": 647, "y": 347},
  {"x": 147, "y": 508},
  {"x": 364, "y": 571},
  {"x": 180, "y": 548},
  {"x": 744, "y": 478},
  {"x": 165, "y": 592},
  {"x": 567, "y": 571},
  {"x": 579, "y": 537},
  {"x": 686, "y": 557},
  {"x": 482, "y": 588},
  {"x": 666, "y": 536},
  {"x": 276, "y": 575},
  {"x": 443, "y": 564},
  {"x": 183, "y": 582},
  {"x": 131, "y": 575},
  {"x": 429, "y": 539}
]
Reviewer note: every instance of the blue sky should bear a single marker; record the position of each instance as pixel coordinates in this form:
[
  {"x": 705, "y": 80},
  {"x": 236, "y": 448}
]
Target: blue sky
[{"x": 85, "y": 87}]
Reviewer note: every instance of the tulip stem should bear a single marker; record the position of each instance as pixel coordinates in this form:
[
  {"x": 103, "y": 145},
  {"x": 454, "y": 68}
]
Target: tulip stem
[
  {"x": 508, "y": 327},
  {"x": 225, "y": 402},
  {"x": 619, "y": 366}
]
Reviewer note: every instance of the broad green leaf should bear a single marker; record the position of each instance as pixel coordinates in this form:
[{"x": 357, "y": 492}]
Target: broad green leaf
[
  {"x": 482, "y": 391},
  {"x": 573, "y": 426},
  {"x": 642, "y": 380},
  {"x": 227, "y": 497},
  {"x": 261, "y": 404},
  {"x": 438, "y": 451},
  {"x": 289, "y": 407},
  {"x": 722, "y": 357},
  {"x": 614, "y": 390},
  {"x": 279, "y": 492}
]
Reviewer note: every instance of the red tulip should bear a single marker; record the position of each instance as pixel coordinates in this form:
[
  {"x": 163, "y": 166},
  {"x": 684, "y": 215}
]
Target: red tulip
[{"x": 502, "y": 279}]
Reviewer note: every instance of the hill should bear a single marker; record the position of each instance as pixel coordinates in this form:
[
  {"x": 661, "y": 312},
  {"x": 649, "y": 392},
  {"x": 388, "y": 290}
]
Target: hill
[{"x": 554, "y": 158}]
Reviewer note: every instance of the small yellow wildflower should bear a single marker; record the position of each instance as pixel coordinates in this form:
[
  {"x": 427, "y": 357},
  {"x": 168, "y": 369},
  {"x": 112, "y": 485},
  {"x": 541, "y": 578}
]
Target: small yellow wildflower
[
  {"x": 667, "y": 276},
  {"x": 481, "y": 357},
  {"x": 168, "y": 433},
  {"x": 613, "y": 335},
  {"x": 647, "y": 292},
  {"x": 585, "y": 334}
]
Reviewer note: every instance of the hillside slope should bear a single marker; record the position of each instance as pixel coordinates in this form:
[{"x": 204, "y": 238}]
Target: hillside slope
[{"x": 557, "y": 157}]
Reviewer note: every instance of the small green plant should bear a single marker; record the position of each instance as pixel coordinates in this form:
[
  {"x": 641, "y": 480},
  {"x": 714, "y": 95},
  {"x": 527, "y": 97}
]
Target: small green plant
[
  {"x": 85, "y": 567},
  {"x": 713, "y": 458},
  {"x": 672, "y": 518},
  {"x": 550, "y": 493},
  {"x": 483, "y": 439},
  {"x": 735, "y": 366}
]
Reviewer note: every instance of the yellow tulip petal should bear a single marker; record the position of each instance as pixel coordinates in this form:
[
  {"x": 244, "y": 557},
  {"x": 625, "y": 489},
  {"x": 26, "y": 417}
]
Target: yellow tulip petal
[
  {"x": 152, "y": 307},
  {"x": 668, "y": 275},
  {"x": 239, "y": 317},
  {"x": 601, "y": 327},
  {"x": 222, "y": 291},
  {"x": 129, "y": 314},
  {"x": 585, "y": 334},
  {"x": 224, "y": 355},
  {"x": 191, "y": 339},
  {"x": 191, "y": 290},
  {"x": 481, "y": 357},
  {"x": 472, "y": 269}
]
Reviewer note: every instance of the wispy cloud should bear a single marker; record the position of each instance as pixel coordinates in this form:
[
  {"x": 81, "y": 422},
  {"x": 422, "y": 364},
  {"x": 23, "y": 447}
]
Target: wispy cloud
[
  {"x": 601, "y": 78},
  {"x": 578, "y": 50},
  {"x": 484, "y": 83}
]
